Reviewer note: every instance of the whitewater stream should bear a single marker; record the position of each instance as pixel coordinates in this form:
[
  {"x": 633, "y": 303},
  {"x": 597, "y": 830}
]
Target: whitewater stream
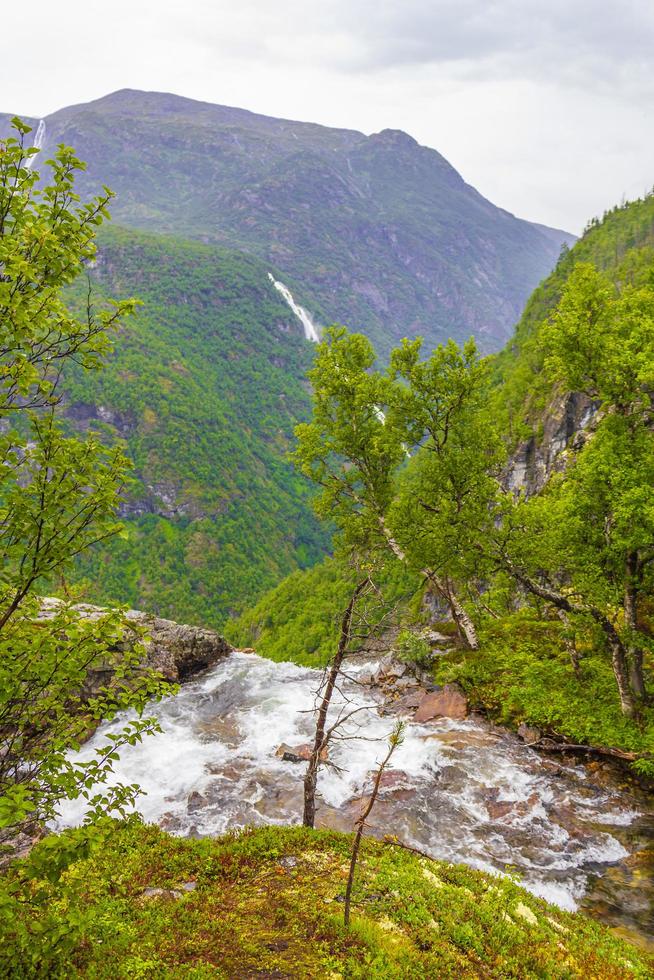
[{"x": 460, "y": 790}]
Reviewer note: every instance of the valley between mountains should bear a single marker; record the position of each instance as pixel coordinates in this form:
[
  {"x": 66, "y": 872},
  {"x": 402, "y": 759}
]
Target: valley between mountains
[{"x": 373, "y": 458}]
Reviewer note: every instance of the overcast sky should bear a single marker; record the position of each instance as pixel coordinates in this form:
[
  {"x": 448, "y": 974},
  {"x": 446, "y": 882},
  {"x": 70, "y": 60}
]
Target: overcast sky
[{"x": 546, "y": 106}]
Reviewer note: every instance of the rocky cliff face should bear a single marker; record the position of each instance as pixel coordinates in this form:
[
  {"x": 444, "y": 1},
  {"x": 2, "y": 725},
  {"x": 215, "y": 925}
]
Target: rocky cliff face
[
  {"x": 176, "y": 651},
  {"x": 567, "y": 424}
]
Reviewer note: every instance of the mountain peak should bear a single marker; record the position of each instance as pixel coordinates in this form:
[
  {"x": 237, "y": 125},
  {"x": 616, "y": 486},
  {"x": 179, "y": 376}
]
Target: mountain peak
[
  {"x": 380, "y": 232},
  {"x": 394, "y": 137}
]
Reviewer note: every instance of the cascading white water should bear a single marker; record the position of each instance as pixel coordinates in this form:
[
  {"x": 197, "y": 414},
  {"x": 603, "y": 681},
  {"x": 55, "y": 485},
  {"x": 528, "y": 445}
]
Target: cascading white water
[
  {"x": 310, "y": 329},
  {"x": 456, "y": 789},
  {"x": 39, "y": 139}
]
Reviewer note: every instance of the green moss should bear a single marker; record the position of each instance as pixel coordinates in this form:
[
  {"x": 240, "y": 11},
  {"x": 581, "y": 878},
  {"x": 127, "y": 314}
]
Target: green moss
[{"x": 268, "y": 903}]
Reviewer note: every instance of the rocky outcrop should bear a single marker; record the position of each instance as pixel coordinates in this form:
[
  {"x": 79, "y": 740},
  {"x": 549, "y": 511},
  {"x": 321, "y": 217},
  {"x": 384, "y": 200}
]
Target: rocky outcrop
[
  {"x": 174, "y": 650},
  {"x": 566, "y": 427},
  {"x": 178, "y": 651},
  {"x": 410, "y": 691},
  {"x": 86, "y": 415},
  {"x": 450, "y": 702}
]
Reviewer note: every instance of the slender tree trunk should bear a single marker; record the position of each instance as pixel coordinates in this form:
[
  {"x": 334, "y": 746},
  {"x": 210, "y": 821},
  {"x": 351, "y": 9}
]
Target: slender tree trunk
[
  {"x": 320, "y": 738},
  {"x": 636, "y": 674},
  {"x": 466, "y": 627},
  {"x": 620, "y": 670},
  {"x": 394, "y": 741},
  {"x": 570, "y": 644},
  {"x": 635, "y": 651},
  {"x": 464, "y": 624}
]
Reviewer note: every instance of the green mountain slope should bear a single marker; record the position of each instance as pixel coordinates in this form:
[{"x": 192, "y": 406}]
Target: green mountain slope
[
  {"x": 380, "y": 233},
  {"x": 622, "y": 243},
  {"x": 205, "y": 385}
]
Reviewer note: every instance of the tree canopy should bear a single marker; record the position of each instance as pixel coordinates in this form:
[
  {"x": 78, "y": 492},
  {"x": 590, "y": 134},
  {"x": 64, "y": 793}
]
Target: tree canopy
[{"x": 58, "y": 497}]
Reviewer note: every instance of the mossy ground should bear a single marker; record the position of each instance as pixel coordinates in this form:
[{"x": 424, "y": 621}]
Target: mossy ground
[
  {"x": 268, "y": 903},
  {"x": 523, "y": 673}
]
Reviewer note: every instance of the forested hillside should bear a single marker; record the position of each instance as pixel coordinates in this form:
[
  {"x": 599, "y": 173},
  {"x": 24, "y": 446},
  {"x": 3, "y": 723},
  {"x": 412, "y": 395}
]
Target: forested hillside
[
  {"x": 517, "y": 488},
  {"x": 376, "y": 231},
  {"x": 620, "y": 244},
  {"x": 205, "y": 384}
]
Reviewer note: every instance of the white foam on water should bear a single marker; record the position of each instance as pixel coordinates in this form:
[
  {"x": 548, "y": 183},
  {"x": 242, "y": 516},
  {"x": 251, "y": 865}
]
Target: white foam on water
[
  {"x": 616, "y": 818},
  {"x": 219, "y": 740}
]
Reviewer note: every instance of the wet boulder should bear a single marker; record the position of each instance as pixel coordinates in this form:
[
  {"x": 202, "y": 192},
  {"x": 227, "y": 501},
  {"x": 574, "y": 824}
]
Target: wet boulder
[
  {"x": 196, "y": 801},
  {"x": 392, "y": 780},
  {"x": 449, "y": 702},
  {"x": 299, "y": 753},
  {"x": 529, "y": 734},
  {"x": 498, "y": 809},
  {"x": 406, "y": 704}
]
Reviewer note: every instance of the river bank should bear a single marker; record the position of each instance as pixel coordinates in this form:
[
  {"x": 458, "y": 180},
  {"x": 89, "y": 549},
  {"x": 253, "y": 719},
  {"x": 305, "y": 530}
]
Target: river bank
[
  {"x": 460, "y": 789},
  {"x": 269, "y": 903}
]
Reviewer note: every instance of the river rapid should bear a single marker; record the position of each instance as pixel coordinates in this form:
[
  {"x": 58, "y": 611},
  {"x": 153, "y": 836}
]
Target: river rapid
[{"x": 460, "y": 790}]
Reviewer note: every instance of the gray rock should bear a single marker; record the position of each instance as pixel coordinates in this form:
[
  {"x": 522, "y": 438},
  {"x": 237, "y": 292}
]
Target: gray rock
[
  {"x": 529, "y": 734},
  {"x": 406, "y": 704},
  {"x": 402, "y": 683},
  {"x": 167, "y": 893},
  {"x": 567, "y": 423},
  {"x": 180, "y": 651},
  {"x": 174, "y": 650},
  {"x": 434, "y": 638},
  {"x": 195, "y": 801}
]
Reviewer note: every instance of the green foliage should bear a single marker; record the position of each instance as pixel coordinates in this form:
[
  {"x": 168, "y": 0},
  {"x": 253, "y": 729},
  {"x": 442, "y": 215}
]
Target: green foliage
[
  {"x": 348, "y": 450},
  {"x": 621, "y": 246},
  {"x": 58, "y": 497},
  {"x": 412, "y": 648},
  {"x": 523, "y": 673},
  {"x": 299, "y": 620},
  {"x": 204, "y": 386},
  {"x": 444, "y": 503},
  {"x": 251, "y": 913}
]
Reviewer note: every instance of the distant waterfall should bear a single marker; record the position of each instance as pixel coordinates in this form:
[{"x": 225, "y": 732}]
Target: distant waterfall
[
  {"x": 38, "y": 143},
  {"x": 310, "y": 329}
]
